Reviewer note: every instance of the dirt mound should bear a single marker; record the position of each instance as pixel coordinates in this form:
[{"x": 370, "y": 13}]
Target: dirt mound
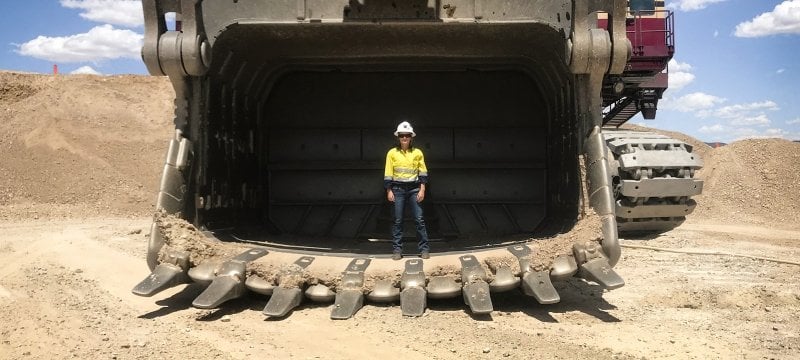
[
  {"x": 13, "y": 92},
  {"x": 755, "y": 181},
  {"x": 82, "y": 144}
]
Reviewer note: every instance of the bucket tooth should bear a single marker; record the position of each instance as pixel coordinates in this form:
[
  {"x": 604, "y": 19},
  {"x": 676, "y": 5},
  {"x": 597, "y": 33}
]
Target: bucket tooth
[
  {"x": 229, "y": 282},
  {"x": 170, "y": 273},
  {"x": 164, "y": 276},
  {"x": 384, "y": 292},
  {"x": 413, "y": 297},
  {"x": 320, "y": 293},
  {"x": 538, "y": 285},
  {"x": 258, "y": 285},
  {"x": 476, "y": 296},
  {"x": 282, "y": 301},
  {"x": 226, "y": 286},
  {"x": 504, "y": 280},
  {"x": 563, "y": 268},
  {"x": 476, "y": 289},
  {"x": 347, "y": 303},
  {"x": 443, "y": 287},
  {"x": 413, "y": 301},
  {"x": 600, "y": 271},
  {"x": 289, "y": 295},
  {"x": 351, "y": 297}
]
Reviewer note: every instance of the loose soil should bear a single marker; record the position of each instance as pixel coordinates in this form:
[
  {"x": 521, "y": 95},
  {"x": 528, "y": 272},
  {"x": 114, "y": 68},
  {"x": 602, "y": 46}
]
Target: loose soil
[{"x": 81, "y": 166}]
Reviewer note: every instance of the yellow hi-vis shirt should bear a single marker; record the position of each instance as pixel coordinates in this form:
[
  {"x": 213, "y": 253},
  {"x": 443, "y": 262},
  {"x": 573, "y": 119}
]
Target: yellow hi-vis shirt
[{"x": 405, "y": 166}]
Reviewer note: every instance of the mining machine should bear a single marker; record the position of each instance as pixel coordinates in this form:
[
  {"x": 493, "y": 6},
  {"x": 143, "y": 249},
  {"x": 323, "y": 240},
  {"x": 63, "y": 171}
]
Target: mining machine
[{"x": 284, "y": 111}]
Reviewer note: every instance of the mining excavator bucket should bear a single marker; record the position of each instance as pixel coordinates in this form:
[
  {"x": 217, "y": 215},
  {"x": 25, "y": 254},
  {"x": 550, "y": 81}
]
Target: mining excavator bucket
[{"x": 284, "y": 114}]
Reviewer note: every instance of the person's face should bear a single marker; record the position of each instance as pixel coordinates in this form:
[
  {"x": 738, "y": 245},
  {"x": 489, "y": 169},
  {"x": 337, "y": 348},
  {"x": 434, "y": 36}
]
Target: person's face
[{"x": 405, "y": 139}]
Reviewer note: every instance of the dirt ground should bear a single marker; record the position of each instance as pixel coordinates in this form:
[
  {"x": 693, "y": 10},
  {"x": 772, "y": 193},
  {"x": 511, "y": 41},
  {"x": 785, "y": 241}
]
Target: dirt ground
[{"x": 82, "y": 156}]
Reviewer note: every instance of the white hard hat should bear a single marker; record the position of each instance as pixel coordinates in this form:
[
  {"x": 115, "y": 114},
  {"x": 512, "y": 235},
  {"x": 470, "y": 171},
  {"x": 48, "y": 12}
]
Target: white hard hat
[{"x": 405, "y": 128}]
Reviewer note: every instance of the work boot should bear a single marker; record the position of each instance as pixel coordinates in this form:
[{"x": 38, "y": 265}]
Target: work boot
[
  {"x": 425, "y": 255},
  {"x": 397, "y": 255}
]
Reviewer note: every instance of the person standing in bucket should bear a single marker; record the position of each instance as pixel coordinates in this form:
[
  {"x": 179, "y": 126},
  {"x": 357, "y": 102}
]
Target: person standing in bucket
[{"x": 404, "y": 179}]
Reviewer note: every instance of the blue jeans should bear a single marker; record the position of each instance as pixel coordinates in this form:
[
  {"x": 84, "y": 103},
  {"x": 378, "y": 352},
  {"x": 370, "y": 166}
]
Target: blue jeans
[{"x": 407, "y": 196}]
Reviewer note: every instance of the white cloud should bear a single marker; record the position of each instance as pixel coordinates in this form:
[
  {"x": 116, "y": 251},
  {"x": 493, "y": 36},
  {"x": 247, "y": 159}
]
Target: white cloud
[
  {"x": 674, "y": 66},
  {"x": 758, "y": 120},
  {"x": 100, "y": 43},
  {"x": 739, "y": 111},
  {"x": 679, "y": 74},
  {"x": 729, "y": 134},
  {"x": 793, "y": 122},
  {"x": 700, "y": 100},
  {"x": 716, "y": 33},
  {"x": 749, "y": 133},
  {"x": 741, "y": 115},
  {"x": 692, "y": 5},
  {"x": 83, "y": 70},
  {"x": 780, "y": 71},
  {"x": 716, "y": 128},
  {"x": 678, "y": 80},
  {"x": 784, "y": 19},
  {"x": 126, "y": 13},
  {"x": 694, "y": 102},
  {"x": 742, "y": 121},
  {"x": 776, "y": 132}
]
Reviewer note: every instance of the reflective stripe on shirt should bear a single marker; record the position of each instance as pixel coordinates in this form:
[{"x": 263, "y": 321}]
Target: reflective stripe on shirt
[{"x": 405, "y": 166}]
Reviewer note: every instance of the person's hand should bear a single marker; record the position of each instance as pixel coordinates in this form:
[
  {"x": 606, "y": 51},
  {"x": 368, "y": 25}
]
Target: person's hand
[
  {"x": 390, "y": 196},
  {"x": 420, "y": 196}
]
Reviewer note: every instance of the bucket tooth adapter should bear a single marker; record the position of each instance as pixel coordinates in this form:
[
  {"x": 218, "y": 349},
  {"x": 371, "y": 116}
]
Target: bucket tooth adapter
[
  {"x": 284, "y": 114},
  {"x": 534, "y": 283},
  {"x": 169, "y": 273},
  {"x": 413, "y": 296},
  {"x": 229, "y": 281},
  {"x": 350, "y": 298},
  {"x": 476, "y": 289},
  {"x": 595, "y": 266}
]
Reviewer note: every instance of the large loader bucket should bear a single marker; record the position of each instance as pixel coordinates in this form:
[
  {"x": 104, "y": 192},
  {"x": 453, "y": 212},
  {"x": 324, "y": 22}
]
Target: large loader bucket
[{"x": 284, "y": 120}]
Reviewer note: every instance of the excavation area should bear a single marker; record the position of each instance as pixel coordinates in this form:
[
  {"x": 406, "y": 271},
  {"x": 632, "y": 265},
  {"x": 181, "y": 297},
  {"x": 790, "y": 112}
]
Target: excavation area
[{"x": 82, "y": 161}]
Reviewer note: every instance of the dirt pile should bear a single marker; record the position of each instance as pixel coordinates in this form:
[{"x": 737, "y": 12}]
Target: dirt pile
[
  {"x": 754, "y": 181},
  {"x": 81, "y": 145}
]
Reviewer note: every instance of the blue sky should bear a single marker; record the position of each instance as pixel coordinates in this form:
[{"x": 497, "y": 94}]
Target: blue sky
[{"x": 734, "y": 73}]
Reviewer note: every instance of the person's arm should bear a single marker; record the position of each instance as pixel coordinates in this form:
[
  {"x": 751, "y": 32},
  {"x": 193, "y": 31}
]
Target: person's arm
[
  {"x": 423, "y": 177},
  {"x": 388, "y": 171}
]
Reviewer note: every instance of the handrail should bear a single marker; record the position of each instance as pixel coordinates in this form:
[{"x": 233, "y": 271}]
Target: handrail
[{"x": 638, "y": 32}]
